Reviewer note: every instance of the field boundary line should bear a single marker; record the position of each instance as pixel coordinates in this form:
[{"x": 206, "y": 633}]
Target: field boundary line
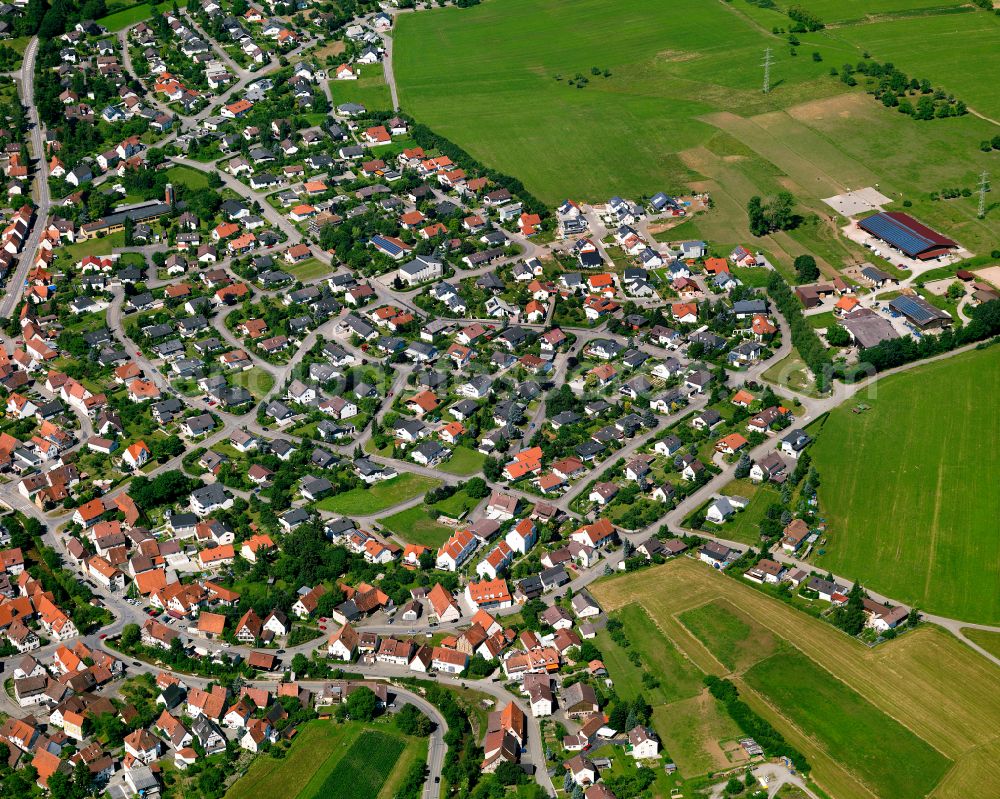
[
  {"x": 763, "y": 621},
  {"x": 746, "y": 690}
]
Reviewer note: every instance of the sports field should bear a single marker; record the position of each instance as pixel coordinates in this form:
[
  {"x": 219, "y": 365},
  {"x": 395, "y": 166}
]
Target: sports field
[
  {"x": 920, "y": 713},
  {"x": 330, "y": 759},
  {"x": 909, "y": 487}
]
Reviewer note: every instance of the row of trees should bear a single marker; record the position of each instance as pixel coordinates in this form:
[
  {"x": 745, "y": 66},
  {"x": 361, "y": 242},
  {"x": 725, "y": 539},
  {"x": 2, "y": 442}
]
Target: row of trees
[
  {"x": 804, "y": 337},
  {"x": 770, "y": 740},
  {"x": 891, "y": 85},
  {"x": 429, "y": 140}
]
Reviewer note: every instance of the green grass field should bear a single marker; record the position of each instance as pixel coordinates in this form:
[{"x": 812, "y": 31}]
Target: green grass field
[
  {"x": 683, "y": 75},
  {"x": 256, "y": 381},
  {"x": 862, "y": 716},
  {"x": 288, "y": 776},
  {"x": 987, "y": 640},
  {"x": 188, "y": 176},
  {"x": 733, "y": 638},
  {"x": 865, "y": 739},
  {"x": 379, "y": 497},
  {"x": 940, "y": 48},
  {"x": 128, "y": 17},
  {"x": 908, "y": 487},
  {"x": 691, "y": 731},
  {"x": 361, "y": 771},
  {"x": 509, "y": 107},
  {"x": 415, "y": 526},
  {"x": 96, "y": 246},
  {"x": 370, "y": 89},
  {"x": 679, "y": 677},
  {"x": 310, "y": 269},
  {"x": 464, "y": 461},
  {"x": 328, "y": 759}
]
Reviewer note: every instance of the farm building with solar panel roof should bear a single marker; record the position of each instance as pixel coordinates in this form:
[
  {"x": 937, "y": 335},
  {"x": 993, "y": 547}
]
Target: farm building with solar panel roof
[
  {"x": 906, "y": 234},
  {"x": 920, "y": 313}
]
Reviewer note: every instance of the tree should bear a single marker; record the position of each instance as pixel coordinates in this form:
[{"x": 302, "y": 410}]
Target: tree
[
  {"x": 805, "y": 266},
  {"x": 755, "y": 216},
  {"x": 743, "y": 466},
  {"x": 779, "y": 211},
  {"x": 956, "y": 291},
  {"x": 925, "y": 108},
  {"x": 837, "y": 336},
  {"x": 477, "y": 488},
  {"x": 492, "y": 468},
  {"x": 509, "y": 773},
  {"x": 411, "y": 721},
  {"x": 362, "y": 704},
  {"x": 300, "y": 663},
  {"x": 130, "y": 636},
  {"x": 851, "y": 617}
]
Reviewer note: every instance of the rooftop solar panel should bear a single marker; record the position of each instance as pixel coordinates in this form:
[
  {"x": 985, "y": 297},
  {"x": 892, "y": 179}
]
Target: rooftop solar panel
[
  {"x": 916, "y": 308},
  {"x": 896, "y": 234}
]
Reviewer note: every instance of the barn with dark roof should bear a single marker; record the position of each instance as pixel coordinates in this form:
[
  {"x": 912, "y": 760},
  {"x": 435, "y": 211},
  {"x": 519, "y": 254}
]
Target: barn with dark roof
[{"x": 907, "y": 235}]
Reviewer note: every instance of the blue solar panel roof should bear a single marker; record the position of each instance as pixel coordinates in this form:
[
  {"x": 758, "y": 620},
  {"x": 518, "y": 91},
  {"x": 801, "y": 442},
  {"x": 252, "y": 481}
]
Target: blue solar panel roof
[
  {"x": 917, "y": 309},
  {"x": 897, "y": 234}
]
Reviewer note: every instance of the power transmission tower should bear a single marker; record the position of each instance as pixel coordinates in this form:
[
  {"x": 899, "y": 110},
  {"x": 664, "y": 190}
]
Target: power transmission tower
[
  {"x": 984, "y": 186},
  {"x": 767, "y": 70}
]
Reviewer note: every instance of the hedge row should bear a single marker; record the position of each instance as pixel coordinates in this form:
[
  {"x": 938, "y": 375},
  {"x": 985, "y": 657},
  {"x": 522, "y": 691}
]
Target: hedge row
[
  {"x": 429, "y": 140},
  {"x": 770, "y": 740},
  {"x": 805, "y": 339}
]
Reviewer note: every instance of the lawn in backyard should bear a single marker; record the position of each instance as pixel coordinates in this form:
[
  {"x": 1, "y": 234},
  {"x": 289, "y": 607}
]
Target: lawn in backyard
[
  {"x": 908, "y": 487},
  {"x": 463, "y": 461},
  {"x": 792, "y": 372},
  {"x": 310, "y": 269},
  {"x": 374, "y": 499},
  {"x": 457, "y": 505},
  {"x": 867, "y": 741},
  {"x": 256, "y": 381},
  {"x": 415, "y": 526},
  {"x": 744, "y": 525},
  {"x": 188, "y": 176},
  {"x": 101, "y": 245}
]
